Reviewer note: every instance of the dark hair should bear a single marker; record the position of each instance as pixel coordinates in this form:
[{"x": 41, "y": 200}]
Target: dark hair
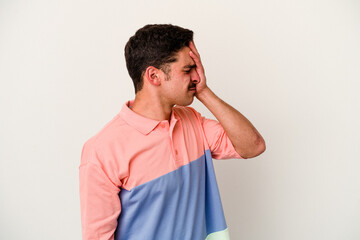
[{"x": 154, "y": 45}]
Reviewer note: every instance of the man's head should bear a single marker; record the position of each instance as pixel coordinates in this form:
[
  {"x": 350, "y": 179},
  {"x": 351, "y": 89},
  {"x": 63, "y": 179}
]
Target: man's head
[{"x": 154, "y": 45}]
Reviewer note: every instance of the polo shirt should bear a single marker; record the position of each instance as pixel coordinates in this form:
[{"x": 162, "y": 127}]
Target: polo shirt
[{"x": 143, "y": 179}]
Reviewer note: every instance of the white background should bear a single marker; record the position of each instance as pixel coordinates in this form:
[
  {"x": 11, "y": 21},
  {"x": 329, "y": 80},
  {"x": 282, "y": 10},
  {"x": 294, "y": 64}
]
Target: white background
[{"x": 292, "y": 67}]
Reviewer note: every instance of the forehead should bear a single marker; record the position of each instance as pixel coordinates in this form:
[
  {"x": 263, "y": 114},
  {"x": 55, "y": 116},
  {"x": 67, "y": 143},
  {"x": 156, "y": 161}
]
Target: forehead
[{"x": 183, "y": 58}]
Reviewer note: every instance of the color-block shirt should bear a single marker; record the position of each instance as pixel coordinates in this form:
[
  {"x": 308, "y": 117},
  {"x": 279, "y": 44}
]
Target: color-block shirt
[{"x": 142, "y": 179}]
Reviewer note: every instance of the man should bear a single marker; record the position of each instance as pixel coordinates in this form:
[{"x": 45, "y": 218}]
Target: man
[{"x": 148, "y": 174}]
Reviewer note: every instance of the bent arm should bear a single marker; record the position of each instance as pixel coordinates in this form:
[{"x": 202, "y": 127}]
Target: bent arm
[{"x": 246, "y": 140}]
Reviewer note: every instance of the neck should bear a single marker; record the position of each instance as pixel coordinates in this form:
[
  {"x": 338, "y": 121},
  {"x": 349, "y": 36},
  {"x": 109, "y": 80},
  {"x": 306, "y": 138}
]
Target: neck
[{"x": 151, "y": 107}]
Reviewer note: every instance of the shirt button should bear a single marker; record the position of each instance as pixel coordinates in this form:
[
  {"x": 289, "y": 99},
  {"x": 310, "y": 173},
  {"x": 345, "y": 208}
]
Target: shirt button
[{"x": 176, "y": 152}]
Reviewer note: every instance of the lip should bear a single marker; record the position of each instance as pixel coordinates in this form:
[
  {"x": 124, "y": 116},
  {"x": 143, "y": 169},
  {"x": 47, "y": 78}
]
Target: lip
[{"x": 192, "y": 89}]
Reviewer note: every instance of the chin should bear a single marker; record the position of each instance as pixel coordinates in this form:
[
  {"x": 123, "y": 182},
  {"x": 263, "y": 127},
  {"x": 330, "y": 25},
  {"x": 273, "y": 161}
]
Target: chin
[{"x": 185, "y": 103}]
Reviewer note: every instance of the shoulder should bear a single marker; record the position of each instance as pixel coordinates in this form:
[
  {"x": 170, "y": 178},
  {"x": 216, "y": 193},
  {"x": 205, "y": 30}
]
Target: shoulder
[{"x": 107, "y": 133}]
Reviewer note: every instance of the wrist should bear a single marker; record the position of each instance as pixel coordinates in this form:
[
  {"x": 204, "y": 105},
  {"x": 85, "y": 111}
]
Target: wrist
[{"x": 204, "y": 94}]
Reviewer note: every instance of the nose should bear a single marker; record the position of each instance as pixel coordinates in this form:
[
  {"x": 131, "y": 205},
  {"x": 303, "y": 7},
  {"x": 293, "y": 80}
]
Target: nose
[{"x": 195, "y": 78}]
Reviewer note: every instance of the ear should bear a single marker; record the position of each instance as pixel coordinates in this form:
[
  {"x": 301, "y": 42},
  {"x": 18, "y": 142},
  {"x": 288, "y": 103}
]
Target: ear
[{"x": 152, "y": 75}]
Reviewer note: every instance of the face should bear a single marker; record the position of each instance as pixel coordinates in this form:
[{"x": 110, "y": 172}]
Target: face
[{"x": 178, "y": 87}]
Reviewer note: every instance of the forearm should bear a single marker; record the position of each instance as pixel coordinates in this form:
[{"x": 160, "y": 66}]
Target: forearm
[{"x": 246, "y": 140}]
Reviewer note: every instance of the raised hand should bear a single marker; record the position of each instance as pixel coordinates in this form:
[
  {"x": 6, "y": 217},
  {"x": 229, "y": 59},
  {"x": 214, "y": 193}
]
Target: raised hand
[{"x": 194, "y": 54}]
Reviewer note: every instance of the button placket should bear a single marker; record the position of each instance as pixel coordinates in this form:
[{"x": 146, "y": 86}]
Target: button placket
[
  {"x": 175, "y": 149},
  {"x": 166, "y": 128}
]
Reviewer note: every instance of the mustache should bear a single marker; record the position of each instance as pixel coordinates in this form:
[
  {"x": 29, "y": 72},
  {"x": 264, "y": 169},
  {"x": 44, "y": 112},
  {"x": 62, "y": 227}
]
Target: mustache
[{"x": 192, "y": 86}]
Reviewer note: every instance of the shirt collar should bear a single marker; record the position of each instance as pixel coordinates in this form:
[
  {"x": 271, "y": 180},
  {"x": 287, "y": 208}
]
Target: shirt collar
[{"x": 142, "y": 124}]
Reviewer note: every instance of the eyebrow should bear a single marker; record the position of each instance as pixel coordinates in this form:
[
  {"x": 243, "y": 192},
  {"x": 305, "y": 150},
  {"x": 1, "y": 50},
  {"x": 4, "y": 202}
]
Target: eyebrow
[{"x": 190, "y": 66}]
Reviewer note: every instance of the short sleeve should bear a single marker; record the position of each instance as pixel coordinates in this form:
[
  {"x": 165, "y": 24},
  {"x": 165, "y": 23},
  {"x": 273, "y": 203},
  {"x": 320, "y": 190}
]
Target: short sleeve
[
  {"x": 219, "y": 143},
  {"x": 99, "y": 200}
]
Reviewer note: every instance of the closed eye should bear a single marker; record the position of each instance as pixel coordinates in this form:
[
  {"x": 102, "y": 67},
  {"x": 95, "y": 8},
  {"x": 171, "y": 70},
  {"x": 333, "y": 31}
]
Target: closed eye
[{"x": 189, "y": 67}]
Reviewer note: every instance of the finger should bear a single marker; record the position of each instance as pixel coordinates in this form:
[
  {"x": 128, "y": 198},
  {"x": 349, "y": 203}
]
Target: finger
[
  {"x": 199, "y": 67},
  {"x": 196, "y": 59},
  {"x": 194, "y": 46},
  {"x": 194, "y": 49}
]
